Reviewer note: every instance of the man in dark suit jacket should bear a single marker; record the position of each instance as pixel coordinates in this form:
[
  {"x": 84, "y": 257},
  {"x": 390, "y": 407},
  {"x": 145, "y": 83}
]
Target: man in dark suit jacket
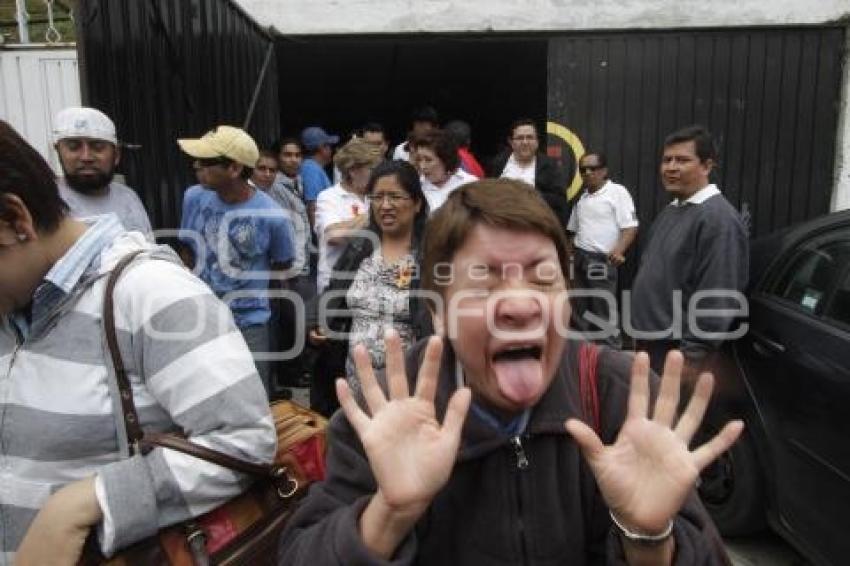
[{"x": 526, "y": 163}]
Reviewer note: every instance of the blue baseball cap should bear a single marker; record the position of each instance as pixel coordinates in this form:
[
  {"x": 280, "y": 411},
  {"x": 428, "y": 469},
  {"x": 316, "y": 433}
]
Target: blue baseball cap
[{"x": 314, "y": 136}]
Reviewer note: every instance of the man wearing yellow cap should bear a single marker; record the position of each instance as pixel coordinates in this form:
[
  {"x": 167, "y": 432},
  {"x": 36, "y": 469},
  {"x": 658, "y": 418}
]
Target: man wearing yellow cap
[{"x": 239, "y": 236}]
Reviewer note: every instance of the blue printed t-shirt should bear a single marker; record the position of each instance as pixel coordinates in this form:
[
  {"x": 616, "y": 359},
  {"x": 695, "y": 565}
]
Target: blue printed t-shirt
[
  {"x": 314, "y": 178},
  {"x": 257, "y": 235}
]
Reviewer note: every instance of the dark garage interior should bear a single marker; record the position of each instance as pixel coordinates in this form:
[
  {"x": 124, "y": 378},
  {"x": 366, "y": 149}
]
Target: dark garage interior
[{"x": 343, "y": 82}]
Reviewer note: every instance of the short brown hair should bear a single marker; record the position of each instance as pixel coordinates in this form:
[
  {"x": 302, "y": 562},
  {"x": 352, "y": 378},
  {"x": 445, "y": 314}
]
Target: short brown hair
[
  {"x": 268, "y": 154},
  {"x": 27, "y": 176},
  {"x": 500, "y": 203},
  {"x": 703, "y": 142},
  {"x": 444, "y": 147}
]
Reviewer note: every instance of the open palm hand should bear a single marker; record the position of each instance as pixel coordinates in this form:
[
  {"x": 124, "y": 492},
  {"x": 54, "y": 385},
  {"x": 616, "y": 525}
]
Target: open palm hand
[
  {"x": 648, "y": 472},
  {"x": 411, "y": 454}
]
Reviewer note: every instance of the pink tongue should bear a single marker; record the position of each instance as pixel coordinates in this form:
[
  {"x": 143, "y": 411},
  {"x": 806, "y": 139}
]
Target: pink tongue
[{"x": 519, "y": 380}]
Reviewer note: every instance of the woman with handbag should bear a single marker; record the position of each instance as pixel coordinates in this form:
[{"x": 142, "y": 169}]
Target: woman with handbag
[
  {"x": 376, "y": 280},
  {"x": 66, "y": 467}
]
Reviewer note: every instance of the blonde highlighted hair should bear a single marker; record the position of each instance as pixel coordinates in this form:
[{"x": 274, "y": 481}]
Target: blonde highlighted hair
[{"x": 357, "y": 153}]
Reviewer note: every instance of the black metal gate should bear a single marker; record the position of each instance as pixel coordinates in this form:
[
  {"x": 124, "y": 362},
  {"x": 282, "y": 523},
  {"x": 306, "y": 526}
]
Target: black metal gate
[
  {"x": 165, "y": 69},
  {"x": 770, "y": 97}
]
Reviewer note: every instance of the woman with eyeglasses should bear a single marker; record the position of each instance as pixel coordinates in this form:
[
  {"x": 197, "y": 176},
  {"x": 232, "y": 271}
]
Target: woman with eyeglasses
[{"x": 374, "y": 282}]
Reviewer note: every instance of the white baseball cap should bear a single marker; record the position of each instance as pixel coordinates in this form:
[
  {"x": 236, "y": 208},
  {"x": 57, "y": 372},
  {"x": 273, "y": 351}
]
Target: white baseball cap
[{"x": 81, "y": 122}]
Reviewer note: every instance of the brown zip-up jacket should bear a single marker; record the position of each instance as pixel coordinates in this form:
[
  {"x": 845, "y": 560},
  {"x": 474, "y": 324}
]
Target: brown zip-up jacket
[{"x": 491, "y": 512}]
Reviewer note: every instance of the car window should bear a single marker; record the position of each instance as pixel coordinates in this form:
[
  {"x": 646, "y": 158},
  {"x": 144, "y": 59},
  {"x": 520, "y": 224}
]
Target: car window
[
  {"x": 839, "y": 307},
  {"x": 812, "y": 273}
]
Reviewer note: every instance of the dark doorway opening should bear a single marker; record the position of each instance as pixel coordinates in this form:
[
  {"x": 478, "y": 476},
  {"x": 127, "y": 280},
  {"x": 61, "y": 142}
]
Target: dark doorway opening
[{"x": 343, "y": 82}]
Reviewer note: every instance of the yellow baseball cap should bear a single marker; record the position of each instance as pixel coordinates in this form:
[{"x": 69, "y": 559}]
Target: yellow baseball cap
[{"x": 223, "y": 141}]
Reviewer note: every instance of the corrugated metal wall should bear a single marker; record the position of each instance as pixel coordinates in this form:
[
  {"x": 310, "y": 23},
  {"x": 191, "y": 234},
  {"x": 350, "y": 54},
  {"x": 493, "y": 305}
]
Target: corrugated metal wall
[
  {"x": 164, "y": 69},
  {"x": 35, "y": 84},
  {"x": 770, "y": 97}
]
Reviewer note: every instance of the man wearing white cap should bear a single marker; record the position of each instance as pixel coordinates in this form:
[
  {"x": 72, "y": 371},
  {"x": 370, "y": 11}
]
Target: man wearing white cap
[
  {"x": 88, "y": 152},
  {"x": 245, "y": 233}
]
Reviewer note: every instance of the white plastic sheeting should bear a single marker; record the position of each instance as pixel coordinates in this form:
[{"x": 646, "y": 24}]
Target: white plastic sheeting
[{"x": 35, "y": 83}]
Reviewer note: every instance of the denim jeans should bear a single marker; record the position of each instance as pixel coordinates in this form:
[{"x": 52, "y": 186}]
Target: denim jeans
[{"x": 257, "y": 338}]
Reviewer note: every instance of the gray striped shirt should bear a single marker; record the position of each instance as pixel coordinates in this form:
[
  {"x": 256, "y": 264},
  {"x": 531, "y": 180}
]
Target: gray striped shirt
[{"x": 189, "y": 368}]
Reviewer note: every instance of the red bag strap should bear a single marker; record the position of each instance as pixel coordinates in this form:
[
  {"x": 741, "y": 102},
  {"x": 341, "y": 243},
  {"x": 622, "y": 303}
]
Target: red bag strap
[{"x": 588, "y": 358}]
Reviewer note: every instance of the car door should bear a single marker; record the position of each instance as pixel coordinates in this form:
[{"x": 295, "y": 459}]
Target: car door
[{"x": 797, "y": 360}]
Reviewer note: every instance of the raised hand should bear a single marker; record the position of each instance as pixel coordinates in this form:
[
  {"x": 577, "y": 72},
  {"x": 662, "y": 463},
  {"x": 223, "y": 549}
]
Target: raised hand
[
  {"x": 648, "y": 472},
  {"x": 616, "y": 258},
  {"x": 317, "y": 336},
  {"x": 410, "y": 453}
]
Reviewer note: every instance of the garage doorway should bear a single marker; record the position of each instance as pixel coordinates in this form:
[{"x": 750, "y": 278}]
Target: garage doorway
[{"x": 343, "y": 82}]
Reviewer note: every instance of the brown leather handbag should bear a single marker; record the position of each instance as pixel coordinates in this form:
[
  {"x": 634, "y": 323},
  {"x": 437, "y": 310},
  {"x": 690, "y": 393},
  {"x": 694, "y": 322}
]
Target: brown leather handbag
[{"x": 246, "y": 529}]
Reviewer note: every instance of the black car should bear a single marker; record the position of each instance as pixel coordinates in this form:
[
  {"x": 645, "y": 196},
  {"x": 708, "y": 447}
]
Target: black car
[{"x": 789, "y": 378}]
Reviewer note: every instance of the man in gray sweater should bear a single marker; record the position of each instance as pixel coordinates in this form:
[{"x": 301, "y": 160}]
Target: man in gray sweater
[{"x": 693, "y": 271}]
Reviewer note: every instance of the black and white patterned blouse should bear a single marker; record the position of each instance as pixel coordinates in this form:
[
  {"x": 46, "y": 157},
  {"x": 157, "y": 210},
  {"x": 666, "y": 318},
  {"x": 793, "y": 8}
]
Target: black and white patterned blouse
[{"x": 378, "y": 297}]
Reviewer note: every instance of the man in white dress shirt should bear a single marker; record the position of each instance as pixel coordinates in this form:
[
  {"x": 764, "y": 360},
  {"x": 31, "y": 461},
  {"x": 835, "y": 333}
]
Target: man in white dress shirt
[{"x": 525, "y": 162}]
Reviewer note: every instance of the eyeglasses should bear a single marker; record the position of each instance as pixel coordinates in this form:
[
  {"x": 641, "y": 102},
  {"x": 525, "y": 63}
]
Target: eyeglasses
[
  {"x": 393, "y": 198},
  {"x": 529, "y": 137},
  {"x": 589, "y": 168}
]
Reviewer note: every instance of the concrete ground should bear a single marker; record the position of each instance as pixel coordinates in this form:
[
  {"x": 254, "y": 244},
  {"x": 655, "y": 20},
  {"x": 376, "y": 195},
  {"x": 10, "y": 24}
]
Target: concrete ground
[
  {"x": 301, "y": 395},
  {"x": 763, "y": 550}
]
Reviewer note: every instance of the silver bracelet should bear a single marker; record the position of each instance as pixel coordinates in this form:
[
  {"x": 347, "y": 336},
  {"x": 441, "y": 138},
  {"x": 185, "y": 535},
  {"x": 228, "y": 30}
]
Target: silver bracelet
[{"x": 640, "y": 538}]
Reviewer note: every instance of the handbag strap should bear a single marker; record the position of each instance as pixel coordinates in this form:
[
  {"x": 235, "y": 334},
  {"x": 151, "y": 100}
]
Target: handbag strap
[
  {"x": 125, "y": 392},
  {"x": 588, "y": 362},
  {"x": 195, "y": 450},
  {"x": 138, "y": 440}
]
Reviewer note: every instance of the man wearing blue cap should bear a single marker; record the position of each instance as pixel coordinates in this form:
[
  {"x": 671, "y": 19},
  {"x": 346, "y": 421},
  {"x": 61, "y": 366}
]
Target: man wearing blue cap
[{"x": 318, "y": 149}]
